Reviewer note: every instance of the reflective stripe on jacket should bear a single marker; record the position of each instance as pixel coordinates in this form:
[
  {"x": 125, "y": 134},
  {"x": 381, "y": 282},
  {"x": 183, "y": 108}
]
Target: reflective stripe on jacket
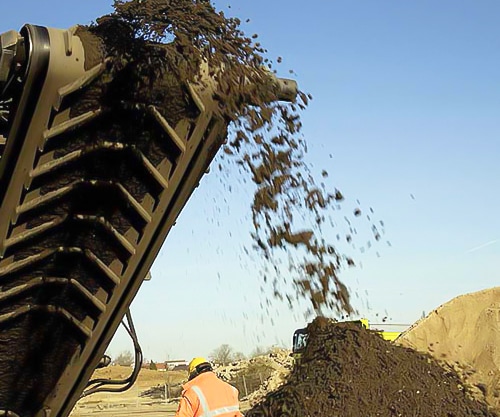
[{"x": 208, "y": 396}]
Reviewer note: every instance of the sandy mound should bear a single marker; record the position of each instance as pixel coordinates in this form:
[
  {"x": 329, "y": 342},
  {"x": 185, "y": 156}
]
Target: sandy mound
[
  {"x": 465, "y": 333},
  {"x": 351, "y": 372}
]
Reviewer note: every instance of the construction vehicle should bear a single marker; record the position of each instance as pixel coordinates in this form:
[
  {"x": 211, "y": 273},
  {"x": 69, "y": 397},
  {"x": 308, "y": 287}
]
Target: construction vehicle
[
  {"x": 82, "y": 220},
  {"x": 300, "y": 336}
]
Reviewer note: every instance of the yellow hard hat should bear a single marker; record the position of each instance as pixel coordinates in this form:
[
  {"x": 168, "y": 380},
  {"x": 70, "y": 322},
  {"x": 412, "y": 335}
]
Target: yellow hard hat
[{"x": 194, "y": 363}]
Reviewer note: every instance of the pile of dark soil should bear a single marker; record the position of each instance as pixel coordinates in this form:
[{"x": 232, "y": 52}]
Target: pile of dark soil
[{"x": 352, "y": 372}]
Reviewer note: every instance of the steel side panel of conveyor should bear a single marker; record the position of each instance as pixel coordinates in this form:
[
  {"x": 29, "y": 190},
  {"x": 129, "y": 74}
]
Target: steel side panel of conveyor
[{"x": 77, "y": 238}]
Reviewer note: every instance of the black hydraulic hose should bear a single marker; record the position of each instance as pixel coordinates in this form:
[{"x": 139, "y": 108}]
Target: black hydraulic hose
[{"x": 102, "y": 385}]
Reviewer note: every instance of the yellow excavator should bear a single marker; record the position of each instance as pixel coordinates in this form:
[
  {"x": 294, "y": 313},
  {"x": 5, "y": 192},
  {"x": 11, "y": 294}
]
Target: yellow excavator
[
  {"x": 82, "y": 217},
  {"x": 300, "y": 336}
]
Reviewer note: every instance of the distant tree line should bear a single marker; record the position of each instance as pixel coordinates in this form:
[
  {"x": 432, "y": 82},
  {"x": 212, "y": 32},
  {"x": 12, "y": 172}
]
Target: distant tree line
[
  {"x": 222, "y": 355},
  {"x": 225, "y": 354}
]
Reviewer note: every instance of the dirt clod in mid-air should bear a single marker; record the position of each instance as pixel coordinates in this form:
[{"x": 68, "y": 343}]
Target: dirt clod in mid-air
[
  {"x": 154, "y": 50},
  {"x": 349, "y": 371}
]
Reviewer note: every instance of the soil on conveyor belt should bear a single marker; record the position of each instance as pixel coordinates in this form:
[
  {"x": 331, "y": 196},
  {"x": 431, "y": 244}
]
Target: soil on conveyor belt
[{"x": 348, "y": 371}]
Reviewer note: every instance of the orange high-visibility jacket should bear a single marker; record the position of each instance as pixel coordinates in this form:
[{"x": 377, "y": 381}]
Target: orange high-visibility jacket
[{"x": 208, "y": 396}]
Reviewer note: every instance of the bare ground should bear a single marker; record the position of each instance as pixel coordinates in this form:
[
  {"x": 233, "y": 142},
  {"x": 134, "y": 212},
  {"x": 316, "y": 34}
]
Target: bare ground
[{"x": 129, "y": 402}]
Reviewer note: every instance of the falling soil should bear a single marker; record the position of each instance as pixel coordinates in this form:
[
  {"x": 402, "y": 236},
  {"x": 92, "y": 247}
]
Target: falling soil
[
  {"x": 348, "y": 371},
  {"x": 154, "y": 49}
]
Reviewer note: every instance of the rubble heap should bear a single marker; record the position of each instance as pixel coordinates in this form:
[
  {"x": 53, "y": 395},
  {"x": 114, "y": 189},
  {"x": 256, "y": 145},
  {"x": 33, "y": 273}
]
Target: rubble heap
[
  {"x": 255, "y": 377},
  {"x": 160, "y": 391}
]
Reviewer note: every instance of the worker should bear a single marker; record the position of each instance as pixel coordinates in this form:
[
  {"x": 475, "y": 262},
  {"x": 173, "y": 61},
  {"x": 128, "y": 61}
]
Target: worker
[{"x": 205, "y": 395}]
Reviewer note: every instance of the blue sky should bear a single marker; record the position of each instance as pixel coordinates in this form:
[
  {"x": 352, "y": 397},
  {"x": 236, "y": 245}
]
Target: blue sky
[{"x": 406, "y": 102}]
